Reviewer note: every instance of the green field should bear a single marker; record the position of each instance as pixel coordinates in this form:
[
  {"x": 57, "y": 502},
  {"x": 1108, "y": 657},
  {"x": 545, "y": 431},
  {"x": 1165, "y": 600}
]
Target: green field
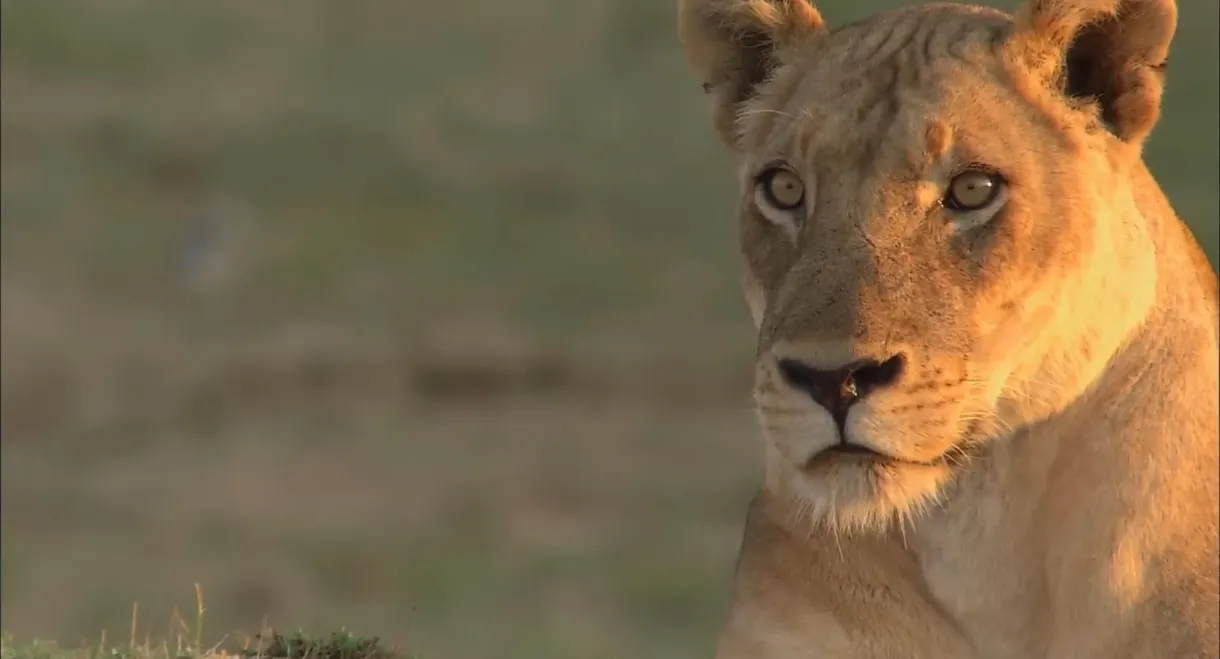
[{"x": 415, "y": 318}]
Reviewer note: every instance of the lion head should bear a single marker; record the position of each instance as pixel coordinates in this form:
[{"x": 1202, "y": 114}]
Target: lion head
[{"x": 939, "y": 231}]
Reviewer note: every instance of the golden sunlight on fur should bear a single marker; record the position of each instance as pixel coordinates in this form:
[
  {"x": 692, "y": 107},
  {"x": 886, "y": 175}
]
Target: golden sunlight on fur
[{"x": 987, "y": 347}]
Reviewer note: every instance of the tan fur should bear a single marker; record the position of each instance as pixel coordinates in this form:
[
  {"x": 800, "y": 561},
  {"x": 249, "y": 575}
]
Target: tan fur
[{"x": 1052, "y": 487}]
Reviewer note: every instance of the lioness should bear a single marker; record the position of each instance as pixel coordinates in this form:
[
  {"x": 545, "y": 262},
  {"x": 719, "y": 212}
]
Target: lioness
[{"x": 987, "y": 347}]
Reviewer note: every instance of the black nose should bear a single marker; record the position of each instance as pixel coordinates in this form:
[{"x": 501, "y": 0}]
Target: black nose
[{"x": 837, "y": 390}]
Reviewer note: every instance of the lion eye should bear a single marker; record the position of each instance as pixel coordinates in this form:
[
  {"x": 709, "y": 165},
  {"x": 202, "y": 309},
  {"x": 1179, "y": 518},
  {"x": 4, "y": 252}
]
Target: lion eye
[
  {"x": 973, "y": 190},
  {"x": 782, "y": 189}
]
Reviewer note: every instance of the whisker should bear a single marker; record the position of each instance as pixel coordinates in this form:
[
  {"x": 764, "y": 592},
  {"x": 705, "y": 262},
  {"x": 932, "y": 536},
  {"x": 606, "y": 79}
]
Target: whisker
[{"x": 750, "y": 112}]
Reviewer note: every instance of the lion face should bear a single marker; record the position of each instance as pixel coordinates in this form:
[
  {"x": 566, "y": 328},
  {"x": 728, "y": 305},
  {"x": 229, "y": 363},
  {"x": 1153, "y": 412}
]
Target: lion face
[{"x": 934, "y": 250}]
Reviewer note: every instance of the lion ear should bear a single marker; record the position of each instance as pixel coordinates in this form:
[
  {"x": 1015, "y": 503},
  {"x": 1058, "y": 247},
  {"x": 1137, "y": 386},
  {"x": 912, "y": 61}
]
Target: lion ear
[
  {"x": 731, "y": 46},
  {"x": 1113, "y": 51}
]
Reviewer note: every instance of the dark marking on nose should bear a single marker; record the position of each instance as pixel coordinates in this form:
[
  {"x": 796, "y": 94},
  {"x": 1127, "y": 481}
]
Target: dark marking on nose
[{"x": 838, "y": 389}]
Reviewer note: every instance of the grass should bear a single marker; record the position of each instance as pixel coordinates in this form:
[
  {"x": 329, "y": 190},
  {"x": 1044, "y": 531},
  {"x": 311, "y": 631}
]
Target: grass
[
  {"x": 185, "y": 640},
  {"x": 265, "y": 645},
  {"x": 419, "y": 320}
]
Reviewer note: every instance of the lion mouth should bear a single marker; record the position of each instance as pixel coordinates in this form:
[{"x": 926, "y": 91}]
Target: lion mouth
[{"x": 846, "y": 450}]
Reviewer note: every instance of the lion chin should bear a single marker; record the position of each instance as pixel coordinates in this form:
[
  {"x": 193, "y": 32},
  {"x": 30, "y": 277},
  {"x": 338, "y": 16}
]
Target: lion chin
[{"x": 845, "y": 487}]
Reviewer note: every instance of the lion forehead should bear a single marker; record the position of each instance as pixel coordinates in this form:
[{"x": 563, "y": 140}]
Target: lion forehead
[{"x": 866, "y": 79}]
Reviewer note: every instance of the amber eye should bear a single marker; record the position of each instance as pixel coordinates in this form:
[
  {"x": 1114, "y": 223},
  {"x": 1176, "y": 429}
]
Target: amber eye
[
  {"x": 782, "y": 188},
  {"x": 973, "y": 190}
]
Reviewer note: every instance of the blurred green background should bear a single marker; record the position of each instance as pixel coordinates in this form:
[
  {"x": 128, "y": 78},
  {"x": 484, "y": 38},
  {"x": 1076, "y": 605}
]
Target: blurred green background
[{"x": 415, "y": 317}]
